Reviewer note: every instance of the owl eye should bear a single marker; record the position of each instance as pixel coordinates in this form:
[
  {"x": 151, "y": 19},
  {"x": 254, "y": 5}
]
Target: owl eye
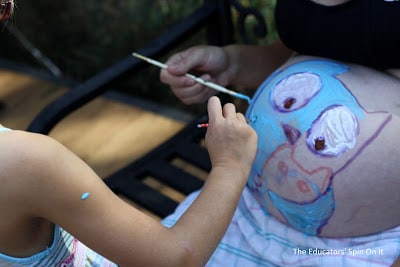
[
  {"x": 295, "y": 91},
  {"x": 334, "y": 132},
  {"x": 289, "y": 103},
  {"x": 319, "y": 143}
]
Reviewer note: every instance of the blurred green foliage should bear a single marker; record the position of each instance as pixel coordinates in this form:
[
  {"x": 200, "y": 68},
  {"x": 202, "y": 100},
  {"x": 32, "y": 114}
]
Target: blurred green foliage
[{"x": 84, "y": 37}]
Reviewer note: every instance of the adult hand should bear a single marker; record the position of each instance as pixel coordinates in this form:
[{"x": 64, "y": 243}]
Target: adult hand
[{"x": 211, "y": 63}]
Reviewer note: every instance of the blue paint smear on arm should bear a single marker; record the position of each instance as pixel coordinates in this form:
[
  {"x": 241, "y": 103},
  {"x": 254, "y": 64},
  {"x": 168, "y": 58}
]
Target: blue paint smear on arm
[{"x": 85, "y": 195}]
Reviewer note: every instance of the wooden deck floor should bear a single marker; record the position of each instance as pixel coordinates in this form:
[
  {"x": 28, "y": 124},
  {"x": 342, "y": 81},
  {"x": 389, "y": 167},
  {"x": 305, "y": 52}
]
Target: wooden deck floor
[{"x": 106, "y": 133}]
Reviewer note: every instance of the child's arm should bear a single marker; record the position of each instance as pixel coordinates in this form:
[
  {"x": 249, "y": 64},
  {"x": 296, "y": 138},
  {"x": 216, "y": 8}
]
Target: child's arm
[
  {"x": 232, "y": 157},
  {"x": 52, "y": 181}
]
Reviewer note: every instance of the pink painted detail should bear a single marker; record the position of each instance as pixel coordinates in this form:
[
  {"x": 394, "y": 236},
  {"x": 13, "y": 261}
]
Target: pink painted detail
[
  {"x": 296, "y": 183},
  {"x": 303, "y": 186}
]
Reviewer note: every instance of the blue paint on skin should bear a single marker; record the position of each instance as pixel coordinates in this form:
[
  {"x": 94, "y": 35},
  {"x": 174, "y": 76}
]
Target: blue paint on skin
[
  {"x": 310, "y": 216},
  {"x": 270, "y": 120},
  {"x": 85, "y": 195}
]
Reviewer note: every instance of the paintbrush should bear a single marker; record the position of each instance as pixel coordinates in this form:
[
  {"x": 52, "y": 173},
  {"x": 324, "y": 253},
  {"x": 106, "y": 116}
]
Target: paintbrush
[
  {"x": 211, "y": 85},
  {"x": 205, "y": 124}
]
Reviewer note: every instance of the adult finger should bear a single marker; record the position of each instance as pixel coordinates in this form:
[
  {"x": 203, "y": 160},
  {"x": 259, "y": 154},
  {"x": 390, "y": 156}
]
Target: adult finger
[{"x": 185, "y": 61}]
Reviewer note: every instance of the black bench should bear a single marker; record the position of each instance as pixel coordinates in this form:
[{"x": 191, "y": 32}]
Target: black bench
[{"x": 216, "y": 17}]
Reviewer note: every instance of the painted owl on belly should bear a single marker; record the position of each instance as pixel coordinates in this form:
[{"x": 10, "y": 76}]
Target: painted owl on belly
[{"x": 310, "y": 127}]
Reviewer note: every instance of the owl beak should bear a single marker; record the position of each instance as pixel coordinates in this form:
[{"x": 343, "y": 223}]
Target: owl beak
[{"x": 292, "y": 134}]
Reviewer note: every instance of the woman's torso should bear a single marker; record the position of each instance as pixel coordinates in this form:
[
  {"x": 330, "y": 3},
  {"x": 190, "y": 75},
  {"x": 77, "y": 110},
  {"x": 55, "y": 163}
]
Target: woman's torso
[
  {"x": 360, "y": 31},
  {"x": 328, "y": 158}
]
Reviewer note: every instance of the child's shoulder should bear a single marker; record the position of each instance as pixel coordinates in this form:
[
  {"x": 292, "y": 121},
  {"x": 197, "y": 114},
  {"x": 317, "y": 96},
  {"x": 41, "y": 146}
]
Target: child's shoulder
[
  {"x": 23, "y": 156},
  {"x": 16, "y": 145}
]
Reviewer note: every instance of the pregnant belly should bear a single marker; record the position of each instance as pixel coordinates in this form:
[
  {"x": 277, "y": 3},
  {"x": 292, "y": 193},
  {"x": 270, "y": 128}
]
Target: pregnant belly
[{"x": 328, "y": 155}]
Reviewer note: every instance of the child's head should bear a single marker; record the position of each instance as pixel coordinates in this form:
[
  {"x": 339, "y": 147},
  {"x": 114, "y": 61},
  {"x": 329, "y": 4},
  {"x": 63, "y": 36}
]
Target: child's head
[{"x": 6, "y": 9}]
